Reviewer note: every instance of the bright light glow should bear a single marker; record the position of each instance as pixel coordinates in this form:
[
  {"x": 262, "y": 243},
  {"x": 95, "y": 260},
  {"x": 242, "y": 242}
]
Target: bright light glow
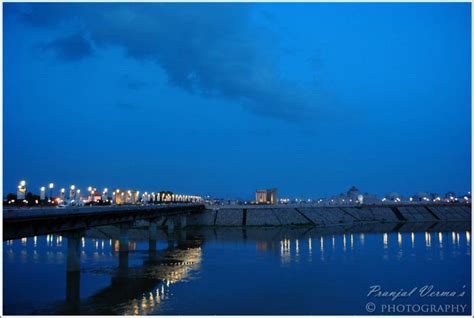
[
  {"x": 22, "y": 183},
  {"x": 43, "y": 188},
  {"x": 73, "y": 187},
  {"x": 51, "y": 185}
]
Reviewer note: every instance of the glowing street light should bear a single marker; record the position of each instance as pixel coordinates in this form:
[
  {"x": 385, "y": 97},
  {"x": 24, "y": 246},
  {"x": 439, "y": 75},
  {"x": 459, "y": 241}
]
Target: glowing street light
[
  {"x": 62, "y": 194},
  {"x": 72, "y": 192},
  {"x": 42, "y": 193},
  {"x": 21, "y": 193},
  {"x": 51, "y": 186}
]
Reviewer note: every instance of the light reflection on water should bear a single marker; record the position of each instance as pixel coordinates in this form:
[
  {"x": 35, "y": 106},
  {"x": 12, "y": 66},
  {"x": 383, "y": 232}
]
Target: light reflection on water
[{"x": 217, "y": 269}]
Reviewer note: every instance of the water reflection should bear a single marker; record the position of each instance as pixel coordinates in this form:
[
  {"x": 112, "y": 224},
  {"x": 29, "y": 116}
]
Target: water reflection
[
  {"x": 143, "y": 273},
  {"x": 428, "y": 239}
]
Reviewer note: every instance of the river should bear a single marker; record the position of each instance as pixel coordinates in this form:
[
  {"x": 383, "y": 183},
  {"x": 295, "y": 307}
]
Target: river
[{"x": 236, "y": 271}]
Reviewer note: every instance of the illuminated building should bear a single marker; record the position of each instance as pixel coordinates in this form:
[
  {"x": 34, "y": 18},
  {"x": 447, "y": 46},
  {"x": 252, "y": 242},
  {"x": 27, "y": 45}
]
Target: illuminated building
[
  {"x": 266, "y": 196},
  {"x": 125, "y": 196}
]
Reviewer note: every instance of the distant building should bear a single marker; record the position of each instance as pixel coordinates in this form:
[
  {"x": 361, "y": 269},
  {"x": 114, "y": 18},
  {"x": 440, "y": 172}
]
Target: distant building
[
  {"x": 450, "y": 197},
  {"x": 370, "y": 198},
  {"x": 125, "y": 196},
  {"x": 353, "y": 194},
  {"x": 266, "y": 196},
  {"x": 421, "y": 196}
]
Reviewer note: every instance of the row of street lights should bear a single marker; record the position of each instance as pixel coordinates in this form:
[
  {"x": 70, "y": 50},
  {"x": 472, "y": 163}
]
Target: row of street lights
[{"x": 119, "y": 197}]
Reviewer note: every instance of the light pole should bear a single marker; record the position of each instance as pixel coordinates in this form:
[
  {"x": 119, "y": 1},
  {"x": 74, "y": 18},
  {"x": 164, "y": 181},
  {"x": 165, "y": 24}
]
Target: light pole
[
  {"x": 72, "y": 193},
  {"x": 21, "y": 190},
  {"x": 42, "y": 193},
  {"x": 51, "y": 186}
]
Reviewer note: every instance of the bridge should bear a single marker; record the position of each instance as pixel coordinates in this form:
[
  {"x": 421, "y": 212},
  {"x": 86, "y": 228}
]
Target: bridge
[
  {"x": 19, "y": 223},
  {"x": 73, "y": 222}
]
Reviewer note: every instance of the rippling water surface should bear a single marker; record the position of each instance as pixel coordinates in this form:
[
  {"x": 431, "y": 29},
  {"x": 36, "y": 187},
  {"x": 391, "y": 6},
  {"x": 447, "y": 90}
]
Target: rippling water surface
[{"x": 235, "y": 271}]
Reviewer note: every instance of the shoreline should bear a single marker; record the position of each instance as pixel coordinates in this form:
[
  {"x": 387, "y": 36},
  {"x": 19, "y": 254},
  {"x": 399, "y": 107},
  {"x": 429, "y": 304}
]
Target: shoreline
[{"x": 314, "y": 216}]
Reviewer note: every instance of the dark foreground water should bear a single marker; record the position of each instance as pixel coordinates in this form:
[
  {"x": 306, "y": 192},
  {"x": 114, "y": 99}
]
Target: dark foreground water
[{"x": 235, "y": 271}]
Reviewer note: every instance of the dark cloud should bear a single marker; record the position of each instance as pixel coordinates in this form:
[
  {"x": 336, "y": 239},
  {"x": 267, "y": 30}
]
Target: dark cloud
[
  {"x": 133, "y": 84},
  {"x": 70, "y": 48},
  {"x": 210, "y": 49}
]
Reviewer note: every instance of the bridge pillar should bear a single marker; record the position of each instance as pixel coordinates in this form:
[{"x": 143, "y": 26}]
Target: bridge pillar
[
  {"x": 153, "y": 235},
  {"x": 123, "y": 246},
  {"x": 170, "y": 223},
  {"x": 74, "y": 252},
  {"x": 73, "y": 269},
  {"x": 73, "y": 290},
  {"x": 170, "y": 243},
  {"x": 182, "y": 235},
  {"x": 183, "y": 221}
]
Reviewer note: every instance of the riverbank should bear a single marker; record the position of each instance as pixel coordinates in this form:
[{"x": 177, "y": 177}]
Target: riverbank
[{"x": 238, "y": 216}]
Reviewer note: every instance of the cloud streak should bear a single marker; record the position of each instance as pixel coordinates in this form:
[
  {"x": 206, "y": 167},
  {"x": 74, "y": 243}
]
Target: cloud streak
[
  {"x": 213, "y": 50},
  {"x": 70, "y": 48}
]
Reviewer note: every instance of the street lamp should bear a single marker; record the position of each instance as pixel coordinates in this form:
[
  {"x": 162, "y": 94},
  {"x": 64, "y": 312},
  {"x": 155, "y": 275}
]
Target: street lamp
[
  {"x": 21, "y": 190},
  {"x": 51, "y": 186},
  {"x": 42, "y": 193}
]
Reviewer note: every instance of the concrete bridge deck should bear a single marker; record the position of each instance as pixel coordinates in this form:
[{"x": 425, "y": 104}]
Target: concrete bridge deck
[{"x": 23, "y": 222}]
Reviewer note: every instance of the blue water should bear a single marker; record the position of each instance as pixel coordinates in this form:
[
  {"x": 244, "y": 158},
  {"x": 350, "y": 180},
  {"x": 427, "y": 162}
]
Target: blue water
[{"x": 270, "y": 271}]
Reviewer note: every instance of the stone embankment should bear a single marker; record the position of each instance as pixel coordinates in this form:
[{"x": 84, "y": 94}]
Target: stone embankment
[{"x": 217, "y": 216}]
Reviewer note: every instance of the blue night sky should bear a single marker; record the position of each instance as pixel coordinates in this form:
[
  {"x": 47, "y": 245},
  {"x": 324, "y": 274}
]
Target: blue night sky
[{"x": 222, "y": 99}]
